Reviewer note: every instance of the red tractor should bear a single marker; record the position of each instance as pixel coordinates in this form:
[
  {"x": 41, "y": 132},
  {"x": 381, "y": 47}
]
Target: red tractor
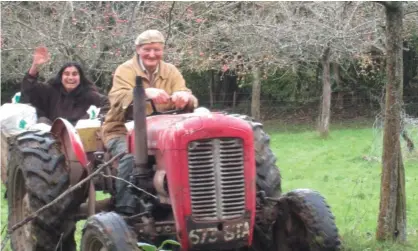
[{"x": 216, "y": 187}]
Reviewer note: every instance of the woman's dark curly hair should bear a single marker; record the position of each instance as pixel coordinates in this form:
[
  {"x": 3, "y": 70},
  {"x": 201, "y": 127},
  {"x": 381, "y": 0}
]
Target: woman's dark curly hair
[{"x": 84, "y": 82}]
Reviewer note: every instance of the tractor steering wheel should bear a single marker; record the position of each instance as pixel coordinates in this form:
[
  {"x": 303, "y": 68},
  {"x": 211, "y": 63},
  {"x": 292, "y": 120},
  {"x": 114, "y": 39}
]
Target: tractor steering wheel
[{"x": 187, "y": 109}]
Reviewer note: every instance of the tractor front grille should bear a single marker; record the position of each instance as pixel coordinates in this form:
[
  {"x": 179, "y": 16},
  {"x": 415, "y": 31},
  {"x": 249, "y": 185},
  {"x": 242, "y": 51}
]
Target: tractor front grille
[{"x": 216, "y": 177}]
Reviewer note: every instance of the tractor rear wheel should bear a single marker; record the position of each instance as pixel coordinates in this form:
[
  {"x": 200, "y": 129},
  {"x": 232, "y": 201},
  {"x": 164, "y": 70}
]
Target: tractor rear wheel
[
  {"x": 109, "y": 232},
  {"x": 305, "y": 222},
  {"x": 268, "y": 174},
  {"x": 37, "y": 174},
  {"x": 268, "y": 181}
]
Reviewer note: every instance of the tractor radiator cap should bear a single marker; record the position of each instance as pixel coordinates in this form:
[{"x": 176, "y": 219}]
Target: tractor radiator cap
[{"x": 201, "y": 110}]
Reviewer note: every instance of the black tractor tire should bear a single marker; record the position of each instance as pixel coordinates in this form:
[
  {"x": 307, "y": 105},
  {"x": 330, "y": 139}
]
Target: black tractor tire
[
  {"x": 268, "y": 174},
  {"x": 268, "y": 182},
  {"x": 305, "y": 223},
  {"x": 37, "y": 174},
  {"x": 107, "y": 231}
]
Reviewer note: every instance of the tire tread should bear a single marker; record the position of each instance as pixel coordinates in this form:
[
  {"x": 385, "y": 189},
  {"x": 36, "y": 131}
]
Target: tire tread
[
  {"x": 38, "y": 156},
  {"x": 316, "y": 214}
]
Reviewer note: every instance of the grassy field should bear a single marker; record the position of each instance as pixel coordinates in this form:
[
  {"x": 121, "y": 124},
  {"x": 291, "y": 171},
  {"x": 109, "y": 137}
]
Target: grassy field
[
  {"x": 345, "y": 168},
  {"x": 344, "y": 171}
]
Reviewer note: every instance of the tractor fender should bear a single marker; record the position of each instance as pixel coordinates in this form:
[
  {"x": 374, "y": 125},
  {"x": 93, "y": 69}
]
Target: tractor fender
[{"x": 72, "y": 148}]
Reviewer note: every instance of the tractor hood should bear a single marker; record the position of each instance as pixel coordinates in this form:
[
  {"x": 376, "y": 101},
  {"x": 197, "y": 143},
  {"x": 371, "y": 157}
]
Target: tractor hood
[{"x": 173, "y": 132}]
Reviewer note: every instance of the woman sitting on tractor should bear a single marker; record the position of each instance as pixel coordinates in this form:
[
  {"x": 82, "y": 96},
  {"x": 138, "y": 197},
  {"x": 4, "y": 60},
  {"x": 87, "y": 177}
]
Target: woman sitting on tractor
[{"x": 68, "y": 95}]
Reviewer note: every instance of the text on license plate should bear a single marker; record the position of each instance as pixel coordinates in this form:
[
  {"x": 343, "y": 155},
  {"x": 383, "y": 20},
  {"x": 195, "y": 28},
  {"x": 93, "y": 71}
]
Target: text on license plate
[{"x": 213, "y": 234}]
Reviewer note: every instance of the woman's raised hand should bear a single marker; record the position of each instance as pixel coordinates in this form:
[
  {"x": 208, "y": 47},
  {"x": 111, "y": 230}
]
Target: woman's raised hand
[{"x": 40, "y": 56}]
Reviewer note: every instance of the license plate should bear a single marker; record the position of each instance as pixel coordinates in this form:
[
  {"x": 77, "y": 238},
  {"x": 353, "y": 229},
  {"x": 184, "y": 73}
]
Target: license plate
[{"x": 229, "y": 232}]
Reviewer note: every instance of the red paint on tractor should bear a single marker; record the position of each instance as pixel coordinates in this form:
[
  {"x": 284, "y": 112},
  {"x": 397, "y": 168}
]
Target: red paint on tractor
[
  {"x": 170, "y": 134},
  {"x": 70, "y": 140}
]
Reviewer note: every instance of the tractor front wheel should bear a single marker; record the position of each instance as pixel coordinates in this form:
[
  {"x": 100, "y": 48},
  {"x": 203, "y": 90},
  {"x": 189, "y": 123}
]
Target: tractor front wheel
[
  {"x": 107, "y": 232},
  {"x": 305, "y": 222}
]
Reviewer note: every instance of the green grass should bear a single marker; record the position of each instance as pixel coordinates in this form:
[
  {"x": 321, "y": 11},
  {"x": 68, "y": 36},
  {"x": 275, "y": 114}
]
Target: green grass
[
  {"x": 341, "y": 168},
  {"x": 3, "y": 214},
  {"x": 338, "y": 169}
]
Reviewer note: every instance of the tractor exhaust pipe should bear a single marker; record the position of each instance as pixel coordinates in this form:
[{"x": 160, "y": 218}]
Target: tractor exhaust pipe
[{"x": 140, "y": 129}]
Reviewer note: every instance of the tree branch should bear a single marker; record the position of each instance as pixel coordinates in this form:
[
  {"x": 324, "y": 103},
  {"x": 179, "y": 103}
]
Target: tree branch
[
  {"x": 384, "y": 3},
  {"x": 169, "y": 22},
  {"x": 351, "y": 16},
  {"x": 131, "y": 20},
  {"x": 410, "y": 12},
  {"x": 390, "y": 5},
  {"x": 129, "y": 183}
]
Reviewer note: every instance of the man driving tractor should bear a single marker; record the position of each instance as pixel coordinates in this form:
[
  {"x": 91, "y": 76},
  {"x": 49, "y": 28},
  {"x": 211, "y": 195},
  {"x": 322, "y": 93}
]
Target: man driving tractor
[{"x": 163, "y": 83}]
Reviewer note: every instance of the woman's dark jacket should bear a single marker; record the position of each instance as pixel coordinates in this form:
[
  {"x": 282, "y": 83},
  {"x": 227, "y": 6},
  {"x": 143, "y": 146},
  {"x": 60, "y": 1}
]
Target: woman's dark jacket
[{"x": 53, "y": 101}]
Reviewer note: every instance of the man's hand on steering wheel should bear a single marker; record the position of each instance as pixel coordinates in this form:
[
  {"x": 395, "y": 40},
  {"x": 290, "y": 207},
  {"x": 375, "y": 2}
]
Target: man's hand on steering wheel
[
  {"x": 181, "y": 98},
  {"x": 159, "y": 96}
]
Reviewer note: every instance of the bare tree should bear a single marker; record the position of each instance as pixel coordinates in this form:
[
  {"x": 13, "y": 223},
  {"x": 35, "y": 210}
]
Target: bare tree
[
  {"x": 331, "y": 32},
  {"x": 392, "y": 213},
  {"x": 231, "y": 37},
  {"x": 99, "y": 35}
]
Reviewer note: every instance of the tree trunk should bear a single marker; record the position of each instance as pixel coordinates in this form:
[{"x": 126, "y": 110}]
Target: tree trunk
[
  {"x": 326, "y": 95},
  {"x": 231, "y": 85},
  {"x": 340, "y": 95},
  {"x": 255, "y": 100},
  {"x": 224, "y": 88},
  {"x": 228, "y": 84},
  {"x": 217, "y": 84},
  {"x": 234, "y": 101},
  {"x": 392, "y": 213},
  {"x": 211, "y": 84}
]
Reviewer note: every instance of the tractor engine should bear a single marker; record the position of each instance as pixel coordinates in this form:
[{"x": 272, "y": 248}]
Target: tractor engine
[{"x": 203, "y": 166}]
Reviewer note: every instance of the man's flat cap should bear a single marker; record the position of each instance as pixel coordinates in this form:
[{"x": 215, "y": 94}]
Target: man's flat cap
[{"x": 149, "y": 36}]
